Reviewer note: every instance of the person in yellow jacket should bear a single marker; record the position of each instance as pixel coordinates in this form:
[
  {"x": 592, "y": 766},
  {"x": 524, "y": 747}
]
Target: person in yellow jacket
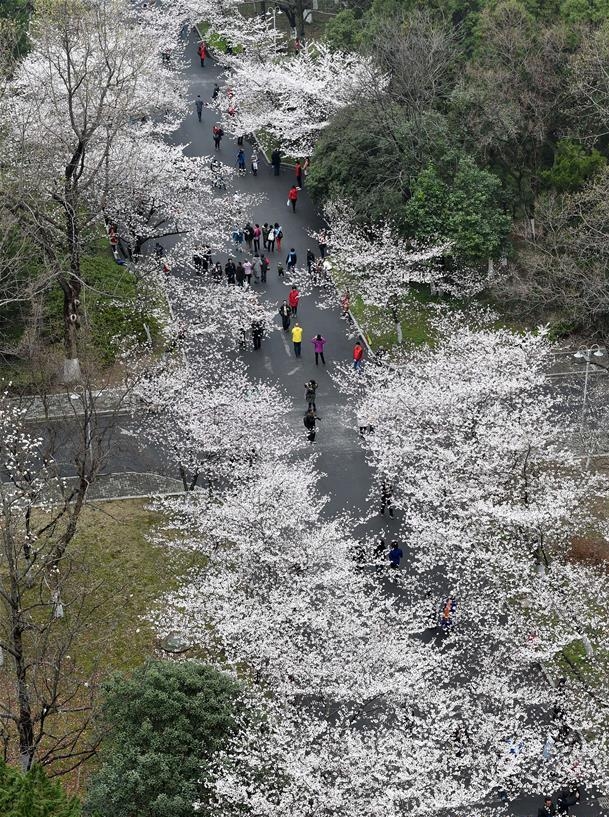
[{"x": 297, "y": 338}]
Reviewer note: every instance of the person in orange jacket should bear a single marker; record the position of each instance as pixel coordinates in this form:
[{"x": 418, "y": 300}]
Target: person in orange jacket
[
  {"x": 202, "y": 52},
  {"x": 293, "y": 197}
]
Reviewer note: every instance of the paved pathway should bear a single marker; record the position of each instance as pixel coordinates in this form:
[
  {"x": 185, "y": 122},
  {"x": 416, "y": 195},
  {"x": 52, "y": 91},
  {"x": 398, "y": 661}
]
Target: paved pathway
[{"x": 346, "y": 477}]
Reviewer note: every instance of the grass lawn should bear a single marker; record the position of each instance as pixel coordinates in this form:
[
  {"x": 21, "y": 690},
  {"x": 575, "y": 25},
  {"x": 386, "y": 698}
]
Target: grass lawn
[{"x": 125, "y": 576}]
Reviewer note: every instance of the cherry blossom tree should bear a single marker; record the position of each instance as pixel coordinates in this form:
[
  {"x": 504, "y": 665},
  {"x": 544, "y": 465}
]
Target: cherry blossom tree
[
  {"x": 294, "y": 97},
  {"x": 81, "y": 84}
]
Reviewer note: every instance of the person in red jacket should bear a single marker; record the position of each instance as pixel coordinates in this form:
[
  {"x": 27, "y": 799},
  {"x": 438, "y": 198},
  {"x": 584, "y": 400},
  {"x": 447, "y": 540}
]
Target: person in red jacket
[
  {"x": 202, "y": 52},
  {"x": 358, "y": 354},
  {"x": 293, "y": 299},
  {"x": 293, "y": 197}
]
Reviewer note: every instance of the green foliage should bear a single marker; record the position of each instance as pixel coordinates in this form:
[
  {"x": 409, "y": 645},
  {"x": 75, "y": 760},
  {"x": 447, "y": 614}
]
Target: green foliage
[
  {"x": 33, "y": 795},
  {"x": 165, "y": 723},
  {"x": 355, "y": 160},
  {"x": 572, "y": 167},
  {"x": 464, "y": 209},
  {"x": 345, "y": 31},
  {"x": 111, "y": 307}
]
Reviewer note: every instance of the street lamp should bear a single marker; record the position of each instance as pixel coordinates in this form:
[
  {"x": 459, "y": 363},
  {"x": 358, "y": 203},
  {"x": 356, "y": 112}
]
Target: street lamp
[
  {"x": 587, "y": 354},
  {"x": 275, "y": 11}
]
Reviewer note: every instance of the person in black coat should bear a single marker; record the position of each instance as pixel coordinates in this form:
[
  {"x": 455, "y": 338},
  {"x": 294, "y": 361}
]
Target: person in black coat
[
  {"x": 276, "y": 161},
  {"x": 285, "y": 312},
  {"x": 548, "y": 809}
]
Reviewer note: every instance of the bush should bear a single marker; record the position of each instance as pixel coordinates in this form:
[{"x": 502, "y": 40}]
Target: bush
[
  {"x": 33, "y": 795},
  {"x": 165, "y": 723}
]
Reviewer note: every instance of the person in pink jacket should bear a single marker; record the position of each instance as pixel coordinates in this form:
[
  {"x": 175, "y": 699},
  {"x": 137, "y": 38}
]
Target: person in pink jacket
[{"x": 318, "y": 344}]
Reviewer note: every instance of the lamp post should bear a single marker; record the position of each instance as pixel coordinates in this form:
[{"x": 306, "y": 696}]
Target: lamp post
[
  {"x": 275, "y": 11},
  {"x": 587, "y": 355}
]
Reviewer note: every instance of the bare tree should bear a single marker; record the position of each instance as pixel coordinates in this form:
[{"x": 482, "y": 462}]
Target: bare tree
[{"x": 47, "y": 597}]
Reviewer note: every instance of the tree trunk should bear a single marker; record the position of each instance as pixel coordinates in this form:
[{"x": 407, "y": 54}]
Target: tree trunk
[{"x": 71, "y": 290}]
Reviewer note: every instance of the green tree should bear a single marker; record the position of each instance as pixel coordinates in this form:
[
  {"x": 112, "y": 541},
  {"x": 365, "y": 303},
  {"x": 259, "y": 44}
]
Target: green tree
[
  {"x": 165, "y": 722},
  {"x": 572, "y": 167},
  {"x": 33, "y": 795},
  {"x": 465, "y": 210},
  {"x": 345, "y": 31}
]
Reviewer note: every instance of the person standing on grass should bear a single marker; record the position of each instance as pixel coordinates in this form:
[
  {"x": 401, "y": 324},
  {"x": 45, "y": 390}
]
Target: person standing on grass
[
  {"x": 310, "y": 392},
  {"x": 293, "y": 299},
  {"x": 276, "y": 161},
  {"x": 297, "y": 339},
  {"x": 358, "y": 354},
  {"x": 291, "y": 259},
  {"x": 293, "y": 197},
  {"x": 285, "y": 312},
  {"x": 298, "y": 170},
  {"x": 318, "y": 345},
  {"x": 202, "y": 52},
  {"x": 199, "y": 106}
]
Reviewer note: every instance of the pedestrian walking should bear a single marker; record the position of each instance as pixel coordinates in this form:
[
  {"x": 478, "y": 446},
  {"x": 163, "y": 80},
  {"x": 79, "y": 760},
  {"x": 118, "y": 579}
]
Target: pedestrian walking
[
  {"x": 207, "y": 259},
  {"x": 306, "y": 166},
  {"x": 240, "y": 274},
  {"x": 216, "y": 272},
  {"x": 309, "y": 421},
  {"x": 256, "y": 268},
  {"x": 278, "y": 235},
  {"x": 318, "y": 346},
  {"x": 248, "y": 235},
  {"x": 358, "y": 354},
  {"x": 257, "y": 233},
  {"x": 257, "y": 332},
  {"x": 298, "y": 170},
  {"x": 386, "y": 496},
  {"x": 197, "y": 261},
  {"x": 293, "y": 299},
  {"x": 271, "y": 238},
  {"x": 237, "y": 236},
  {"x": 217, "y": 133},
  {"x": 216, "y": 91},
  {"x": 345, "y": 304},
  {"x": 240, "y": 139},
  {"x": 254, "y": 163},
  {"x": 264, "y": 230},
  {"x": 276, "y": 161},
  {"x": 293, "y": 197},
  {"x": 291, "y": 259},
  {"x": 264, "y": 268},
  {"x": 310, "y": 392},
  {"x": 395, "y": 554},
  {"x": 310, "y": 260},
  {"x": 547, "y": 809},
  {"x": 247, "y": 269},
  {"x": 229, "y": 269},
  {"x": 297, "y": 338},
  {"x": 241, "y": 162},
  {"x": 280, "y": 270},
  {"x": 202, "y": 52},
  {"x": 322, "y": 244},
  {"x": 285, "y": 313},
  {"x": 199, "y": 106}
]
